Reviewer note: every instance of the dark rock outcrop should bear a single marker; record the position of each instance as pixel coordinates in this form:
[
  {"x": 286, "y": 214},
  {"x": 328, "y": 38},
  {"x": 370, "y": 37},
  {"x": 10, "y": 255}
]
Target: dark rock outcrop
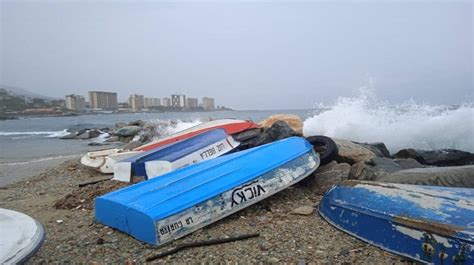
[
  {"x": 88, "y": 134},
  {"x": 442, "y": 157},
  {"x": 279, "y": 130}
]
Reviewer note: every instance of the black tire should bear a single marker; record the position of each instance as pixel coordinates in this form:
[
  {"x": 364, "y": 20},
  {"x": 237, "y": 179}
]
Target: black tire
[{"x": 325, "y": 146}]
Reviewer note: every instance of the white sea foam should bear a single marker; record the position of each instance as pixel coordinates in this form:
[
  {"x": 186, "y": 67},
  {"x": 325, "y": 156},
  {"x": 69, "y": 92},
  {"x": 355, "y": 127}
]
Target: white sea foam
[
  {"x": 408, "y": 125},
  {"x": 168, "y": 127},
  {"x": 38, "y": 160},
  {"x": 36, "y": 133}
]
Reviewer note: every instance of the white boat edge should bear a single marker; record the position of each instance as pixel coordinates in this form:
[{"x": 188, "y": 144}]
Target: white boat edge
[
  {"x": 22, "y": 250},
  {"x": 110, "y": 161},
  {"x": 96, "y": 159}
]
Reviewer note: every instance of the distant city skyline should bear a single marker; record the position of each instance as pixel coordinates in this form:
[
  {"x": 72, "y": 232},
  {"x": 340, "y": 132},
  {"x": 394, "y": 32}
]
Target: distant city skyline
[
  {"x": 247, "y": 55},
  {"x": 108, "y": 100}
]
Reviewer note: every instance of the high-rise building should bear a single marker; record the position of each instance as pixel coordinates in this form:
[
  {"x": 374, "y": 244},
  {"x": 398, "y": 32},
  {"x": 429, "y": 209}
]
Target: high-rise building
[
  {"x": 166, "y": 102},
  {"x": 136, "y": 102},
  {"x": 191, "y": 103},
  {"x": 152, "y": 102},
  {"x": 103, "y": 100},
  {"x": 75, "y": 102},
  {"x": 178, "y": 101},
  {"x": 208, "y": 103}
]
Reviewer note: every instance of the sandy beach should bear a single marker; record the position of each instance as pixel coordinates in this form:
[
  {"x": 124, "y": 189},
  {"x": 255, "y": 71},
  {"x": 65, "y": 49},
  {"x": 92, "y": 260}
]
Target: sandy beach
[{"x": 73, "y": 236}]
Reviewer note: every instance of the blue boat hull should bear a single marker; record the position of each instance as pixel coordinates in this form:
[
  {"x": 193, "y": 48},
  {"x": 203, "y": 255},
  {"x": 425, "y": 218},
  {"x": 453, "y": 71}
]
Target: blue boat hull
[
  {"x": 163, "y": 209},
  {"x": 424, "y": 223}
]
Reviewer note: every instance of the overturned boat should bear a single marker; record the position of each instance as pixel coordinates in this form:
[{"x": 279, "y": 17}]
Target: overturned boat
[
  {"x": 21, "y": 237},
  {"x": 429, "y": 224},
  {"x": 164, "y": 159},
  {"x": 171, "y": 206},
  {"x": 104, "y": 160}
]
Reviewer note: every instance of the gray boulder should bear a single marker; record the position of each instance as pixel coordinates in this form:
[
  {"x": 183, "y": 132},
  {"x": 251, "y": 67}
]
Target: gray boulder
[
  {"x": 128, "y": 131},
  {"x": 442, "y": 157},
  {"x": 373, "y": 169},
  {"x": 458, "y": 176},
  {"x": 384, "y": 164},
  {"x": 352, "y": 153},
  {"x": 88, "y": 135},
  {"x": 379, "y": 148},
  {"x": 407, "y": 163},
  {"x": 326, "y": 176}
]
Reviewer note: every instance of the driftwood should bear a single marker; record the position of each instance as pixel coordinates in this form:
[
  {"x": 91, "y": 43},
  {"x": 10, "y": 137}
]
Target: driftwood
[
  {"x": 95, "y": 181},
  {"x": 200, "y": 244}
]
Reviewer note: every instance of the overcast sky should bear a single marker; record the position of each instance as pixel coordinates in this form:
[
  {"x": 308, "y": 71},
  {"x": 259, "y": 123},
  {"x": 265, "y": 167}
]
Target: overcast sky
[{"x": 267, "y": 55}]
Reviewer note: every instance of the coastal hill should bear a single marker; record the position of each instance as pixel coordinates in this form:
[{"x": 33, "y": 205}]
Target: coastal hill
[
  {"x": 14, "y": 99},
  {"x": 21, "y": 92}
]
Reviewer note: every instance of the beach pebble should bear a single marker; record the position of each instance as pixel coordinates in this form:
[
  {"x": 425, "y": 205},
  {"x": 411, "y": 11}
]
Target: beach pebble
[{"x": 303, "y": 210}]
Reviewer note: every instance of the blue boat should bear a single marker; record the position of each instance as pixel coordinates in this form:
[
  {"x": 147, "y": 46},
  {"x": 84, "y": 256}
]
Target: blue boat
[
  {"x": 425, "y": 223},
  {"x": 163, "y": 209},
  {"x": 161, "y": 160}
]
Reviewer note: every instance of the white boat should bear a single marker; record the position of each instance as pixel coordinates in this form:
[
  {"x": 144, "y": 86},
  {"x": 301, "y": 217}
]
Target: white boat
[
  {"x": 98, "y": 159},
  {"x": 20, "y": 237},
  {"x": 164, "y": 159}
]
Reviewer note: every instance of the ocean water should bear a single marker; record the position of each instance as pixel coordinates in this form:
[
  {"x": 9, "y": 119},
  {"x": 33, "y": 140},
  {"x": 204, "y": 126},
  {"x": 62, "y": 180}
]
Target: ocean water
[{"x": 31, "y": 145}]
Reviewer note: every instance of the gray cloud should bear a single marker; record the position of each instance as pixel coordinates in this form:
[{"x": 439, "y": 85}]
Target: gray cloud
[{"x": 246, "y": 55}]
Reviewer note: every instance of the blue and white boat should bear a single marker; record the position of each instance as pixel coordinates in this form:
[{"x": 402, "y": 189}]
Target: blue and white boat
[
  {"x": 169, "y": 207},
  {"x": 425, "y": 223},
  {"x": 164, "y": 159}
]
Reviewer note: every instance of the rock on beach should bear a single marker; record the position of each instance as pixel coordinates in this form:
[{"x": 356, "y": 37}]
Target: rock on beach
[{"x": 352, "y": 153}]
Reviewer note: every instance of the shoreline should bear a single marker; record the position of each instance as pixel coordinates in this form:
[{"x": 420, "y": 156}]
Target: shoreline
[
  {"x": 73, "y": 235},
  {"x": 72, "y": 114}
]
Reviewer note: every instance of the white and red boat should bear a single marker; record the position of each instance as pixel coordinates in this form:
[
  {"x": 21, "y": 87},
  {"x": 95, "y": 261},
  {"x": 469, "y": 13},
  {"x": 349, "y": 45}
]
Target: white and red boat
[{"x": 104, "y": 160}]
